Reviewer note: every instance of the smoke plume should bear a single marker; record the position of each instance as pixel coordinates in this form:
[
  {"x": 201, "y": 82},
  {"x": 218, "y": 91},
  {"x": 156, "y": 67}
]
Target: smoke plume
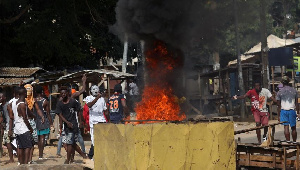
[{"x": 174, "y": 22}]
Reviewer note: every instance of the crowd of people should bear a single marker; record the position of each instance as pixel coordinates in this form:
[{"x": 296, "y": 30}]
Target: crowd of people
[
  {"x": 287, "y": 105},
  {"x": 26, "y": 119}
]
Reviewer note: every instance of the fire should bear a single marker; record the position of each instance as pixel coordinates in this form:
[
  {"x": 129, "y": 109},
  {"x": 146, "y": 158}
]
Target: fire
[{"x": 158, "y": 100}]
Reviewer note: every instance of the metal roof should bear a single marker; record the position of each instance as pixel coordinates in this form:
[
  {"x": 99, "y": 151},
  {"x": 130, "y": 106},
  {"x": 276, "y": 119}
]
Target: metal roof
[
  {"x": 116, "y": 74},
  {"x": 14, "y": 81},
  {"x": 18, "y": 72}
]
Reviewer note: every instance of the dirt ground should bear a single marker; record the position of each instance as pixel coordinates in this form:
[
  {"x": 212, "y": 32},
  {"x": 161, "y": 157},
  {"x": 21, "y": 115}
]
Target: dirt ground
[
  {"x": 49, "y": 154},
  {"x": 52, "y": 159}
]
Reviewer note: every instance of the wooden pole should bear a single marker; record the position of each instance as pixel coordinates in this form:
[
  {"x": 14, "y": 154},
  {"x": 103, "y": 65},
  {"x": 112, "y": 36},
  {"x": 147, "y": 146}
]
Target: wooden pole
[
  {"x": 229, "y": 90},
  {"x": 200, "y": 91},
  {"x": 255, "y": 128},
  {"x": 108, "y": 85},
  {"x": 239, "y": 64},
  {"x": 273, "y": 81},
  {"x": 264, "y": 44}
]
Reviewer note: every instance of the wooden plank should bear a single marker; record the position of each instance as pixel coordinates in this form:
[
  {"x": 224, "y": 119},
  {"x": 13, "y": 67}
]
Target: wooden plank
[
  {"x": 274, "y": 160},
  {"x": 291, "y": 154},
  {"x": 257, "y": 157},
  {"x": 256, "y": 164},
  {"x": 257, "y": 149},
  {"x": 248, "y": 159},
  {"x": 255, "y": 128},
  {"x": 262, "y": 158},
  {"x": 297, "y": 158},
  {"x": 289, "y": 164},
  {"x": 284, "y": 159}
]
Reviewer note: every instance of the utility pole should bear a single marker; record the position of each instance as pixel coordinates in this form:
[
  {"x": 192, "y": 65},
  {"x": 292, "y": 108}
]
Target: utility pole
[
  {"x": 264, "y": 45},
  {"x": 239, "y": 64},
  {"x": 124, "y": 63}
]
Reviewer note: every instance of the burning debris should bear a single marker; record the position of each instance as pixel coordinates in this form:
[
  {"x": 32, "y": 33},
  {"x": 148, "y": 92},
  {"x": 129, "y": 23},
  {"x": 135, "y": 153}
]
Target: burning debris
[
  {"x": 167, "y": 28},
  {"x": 158, "y": 99}
]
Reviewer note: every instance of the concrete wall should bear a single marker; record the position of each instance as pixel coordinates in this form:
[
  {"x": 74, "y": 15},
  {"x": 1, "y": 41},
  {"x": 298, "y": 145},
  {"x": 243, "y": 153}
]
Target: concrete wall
[{"x": 165, "y": 146}]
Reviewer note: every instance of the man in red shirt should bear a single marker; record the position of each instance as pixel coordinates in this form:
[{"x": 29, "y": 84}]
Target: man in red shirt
[{"x": 259, "y": 109}]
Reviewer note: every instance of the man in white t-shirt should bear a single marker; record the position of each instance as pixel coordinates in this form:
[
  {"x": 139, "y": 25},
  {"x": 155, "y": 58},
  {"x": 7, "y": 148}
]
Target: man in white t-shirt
[
  {"x": 97, "y": 106},
  {"x": 287, "y": 102},
  {"x": 259, "y": 96}
]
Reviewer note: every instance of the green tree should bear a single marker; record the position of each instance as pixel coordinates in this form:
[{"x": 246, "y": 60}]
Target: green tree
[{"x": 57, "y": 33}]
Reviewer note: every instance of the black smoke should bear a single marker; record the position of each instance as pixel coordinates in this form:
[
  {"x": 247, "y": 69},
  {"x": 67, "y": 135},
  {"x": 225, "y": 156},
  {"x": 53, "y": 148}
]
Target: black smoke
[{"x": 175, "y": 22}]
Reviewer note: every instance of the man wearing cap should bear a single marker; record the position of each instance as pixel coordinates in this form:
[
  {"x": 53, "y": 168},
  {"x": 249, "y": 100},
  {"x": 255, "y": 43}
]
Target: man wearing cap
[
  {"x": 287, "y": 101},
  {"x": 117, "y": 105}
]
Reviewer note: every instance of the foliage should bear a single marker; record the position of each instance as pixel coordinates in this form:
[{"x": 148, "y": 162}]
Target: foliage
[{"x": 58, "y": 33}]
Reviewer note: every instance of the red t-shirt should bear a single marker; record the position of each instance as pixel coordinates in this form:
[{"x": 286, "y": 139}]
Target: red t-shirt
[{"x": 252, "y": 94}]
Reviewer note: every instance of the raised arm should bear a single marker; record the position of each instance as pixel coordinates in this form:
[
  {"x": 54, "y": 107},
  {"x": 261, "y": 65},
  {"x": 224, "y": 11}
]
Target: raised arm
[
  {"x": 76, "y": 94},
  {"x": 242, "y": 97},
  {"x": 90, "y": 104}
]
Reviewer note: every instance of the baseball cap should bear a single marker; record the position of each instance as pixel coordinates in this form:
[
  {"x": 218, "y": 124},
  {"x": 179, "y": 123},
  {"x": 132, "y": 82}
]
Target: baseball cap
[{"x": 285, "y": 79}]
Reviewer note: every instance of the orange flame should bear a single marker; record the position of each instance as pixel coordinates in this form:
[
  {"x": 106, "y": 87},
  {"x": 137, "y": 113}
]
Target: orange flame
[{"x": 158, "y": 101}]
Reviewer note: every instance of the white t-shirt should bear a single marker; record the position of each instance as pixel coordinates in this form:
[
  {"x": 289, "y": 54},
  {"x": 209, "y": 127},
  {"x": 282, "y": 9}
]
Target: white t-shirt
[
  {"x": 96, "y": 111},
  {"x": 287, "y": 96},
  {"x": 263, "y": 96},
  {"x": 134, "y": 90}
]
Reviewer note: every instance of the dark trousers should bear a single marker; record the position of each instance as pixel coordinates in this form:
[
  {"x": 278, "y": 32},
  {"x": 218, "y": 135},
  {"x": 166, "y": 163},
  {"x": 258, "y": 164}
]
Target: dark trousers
[{"x": 91, "y": 152}]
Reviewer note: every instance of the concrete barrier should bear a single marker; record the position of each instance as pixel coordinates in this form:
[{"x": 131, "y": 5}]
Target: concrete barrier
[{"x": 165, "y": 146}]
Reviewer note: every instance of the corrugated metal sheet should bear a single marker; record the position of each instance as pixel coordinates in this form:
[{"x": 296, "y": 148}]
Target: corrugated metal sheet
[
  {"x": 12, "y": 81},
  {"x": 18, "y": 72},
  {"x": 116, "y": 74}
]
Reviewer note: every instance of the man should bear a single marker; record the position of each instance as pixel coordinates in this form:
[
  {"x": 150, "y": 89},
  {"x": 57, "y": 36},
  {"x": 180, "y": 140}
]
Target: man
[
  {"x": 287, "y": 102},
  {"x": 6, "y": 138},
  {"x": 259, "y": 109},
  {"x": 117, "y": 105},
  {"x": 97, "y": 106},
  {"x": 132, "y": 95},
  {"x": 43, "y": 129},
  {"x": 80, "y": 138},
  {"x": 133, "y": 88},
  {"x": 33, "y": 107},
  {"x": 23, "y": 129},
  {"x": 4, "y": 118},
  {"x": 66, "y": 109},
  {"x": 10, "y": 138}
]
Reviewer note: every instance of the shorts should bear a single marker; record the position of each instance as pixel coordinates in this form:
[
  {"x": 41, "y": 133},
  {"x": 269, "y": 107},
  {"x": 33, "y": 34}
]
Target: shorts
[
  {"x": 43, "y": 131},
  {"x": 261, "y": 117},
  {"x": 289, "y": 116},
  {"x": 6, "y": 138},
  {"x": 34, "y": 133},
  {"x": 70, "y": 138},
  {"x": 25, "y": 140},
  {"x": 63, "y": 137}
]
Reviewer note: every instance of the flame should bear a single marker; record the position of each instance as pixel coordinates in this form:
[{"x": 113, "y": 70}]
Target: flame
[{"x": 158, "y": 101}]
